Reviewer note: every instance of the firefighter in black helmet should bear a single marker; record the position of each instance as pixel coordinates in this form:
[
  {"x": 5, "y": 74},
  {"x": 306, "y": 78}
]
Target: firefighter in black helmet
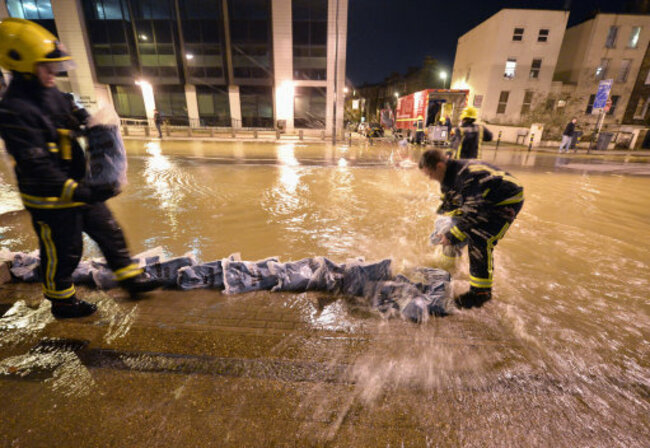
[
  {"x": 39, "y": 125},
  {"x": 470, "y": 135}
]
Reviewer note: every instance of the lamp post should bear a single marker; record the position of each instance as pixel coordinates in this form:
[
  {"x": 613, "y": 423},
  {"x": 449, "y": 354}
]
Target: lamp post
[{"x": 443, "y": 76}]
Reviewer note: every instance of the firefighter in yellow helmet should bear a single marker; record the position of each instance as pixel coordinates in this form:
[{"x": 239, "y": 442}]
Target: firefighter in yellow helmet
[
  {"x": 469, "y": 135},
  {"x": 419, "y": 130},
  {"x": 40, "y": 126}
]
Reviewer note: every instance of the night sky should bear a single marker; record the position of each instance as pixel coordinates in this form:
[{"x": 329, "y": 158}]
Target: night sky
[{"x": 386, "y": 36}]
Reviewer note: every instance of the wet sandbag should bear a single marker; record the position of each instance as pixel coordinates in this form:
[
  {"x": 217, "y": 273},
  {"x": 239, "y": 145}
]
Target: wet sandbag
[
  {"x": 26, "y": 266},
  {"x": 328, "y": 277},
  {"x": 246, "y": 276},
  {"x": 357, "y": 276},
  {"x": 167, "y": 271},
  {"x": 106, "y": 153},
  {"x": 294, "y": 276},
  {"x": 442, "y": 225},
  {"x": 84, "y": 273},
  {"x": 206, "y": 275}
]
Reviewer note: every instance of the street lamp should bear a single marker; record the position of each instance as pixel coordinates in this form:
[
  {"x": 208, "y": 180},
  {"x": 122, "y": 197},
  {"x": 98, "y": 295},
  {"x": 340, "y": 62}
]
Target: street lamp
[
  {"x": 443, "y": 76},
  {"x": 396, "y": 95}
]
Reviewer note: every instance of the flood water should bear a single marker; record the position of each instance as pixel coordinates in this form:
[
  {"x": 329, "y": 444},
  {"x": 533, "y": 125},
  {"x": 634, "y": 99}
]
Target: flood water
[{"x": 570, "y": 318}]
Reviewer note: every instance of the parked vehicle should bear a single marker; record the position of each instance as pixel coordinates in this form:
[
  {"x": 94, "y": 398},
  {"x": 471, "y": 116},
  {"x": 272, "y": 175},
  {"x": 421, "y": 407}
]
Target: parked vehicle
[{"x": 428, "y": 106}]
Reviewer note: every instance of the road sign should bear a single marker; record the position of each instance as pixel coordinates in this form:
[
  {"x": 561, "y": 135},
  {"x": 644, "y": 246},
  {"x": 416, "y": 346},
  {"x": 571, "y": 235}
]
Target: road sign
[
  {"x": 608, "y": 105},
  {"x": 604, "y": 87}
]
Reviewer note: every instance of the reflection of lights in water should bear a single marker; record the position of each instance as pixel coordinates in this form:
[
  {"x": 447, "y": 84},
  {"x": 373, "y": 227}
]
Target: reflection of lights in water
[
  {"x": 289, "y": 178},
  {"x": 286, "y": 155},
  {"x": 342, "y": 163},
  {"x": 159, "y": 173}
]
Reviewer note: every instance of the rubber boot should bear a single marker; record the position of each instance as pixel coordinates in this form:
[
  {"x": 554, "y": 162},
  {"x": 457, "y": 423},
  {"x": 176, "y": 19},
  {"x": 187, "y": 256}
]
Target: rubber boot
[
  {"x": 473, "y": 298},
  {"x": 140, "y": 284},
  {"x": 71, "y": 308}
]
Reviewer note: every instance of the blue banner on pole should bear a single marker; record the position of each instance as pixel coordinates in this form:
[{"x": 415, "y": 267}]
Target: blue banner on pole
[{"x": 604, "y": 87}]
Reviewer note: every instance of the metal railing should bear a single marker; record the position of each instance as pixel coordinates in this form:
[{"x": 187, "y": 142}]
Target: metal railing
[{"x": 207, "y": 127}]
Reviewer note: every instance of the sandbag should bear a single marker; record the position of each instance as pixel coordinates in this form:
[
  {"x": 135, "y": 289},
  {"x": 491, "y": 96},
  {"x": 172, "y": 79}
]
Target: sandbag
[
  {"x": 26, "y": 266},
  {"x": 246, "y": 276},
  {"x": 207, "y": 275},
  {"x": 106, "y": 153}
]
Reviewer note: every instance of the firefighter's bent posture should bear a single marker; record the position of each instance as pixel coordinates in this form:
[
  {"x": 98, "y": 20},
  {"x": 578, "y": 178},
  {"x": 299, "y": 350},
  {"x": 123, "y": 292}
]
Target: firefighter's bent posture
[
  {"x": 484, "y": 201},
  {"x": 39, "y": 125}
]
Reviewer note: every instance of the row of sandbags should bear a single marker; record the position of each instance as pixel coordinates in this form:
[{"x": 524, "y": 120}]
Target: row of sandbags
[{"x": 390, "y": 295}]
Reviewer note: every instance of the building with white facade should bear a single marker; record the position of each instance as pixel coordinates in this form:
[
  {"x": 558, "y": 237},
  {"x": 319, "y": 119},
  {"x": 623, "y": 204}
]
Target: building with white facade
[
  {"x": 240, "y": 63},
  {"x": 608, "y": 46},
  {"x": 507, "y": 62}
]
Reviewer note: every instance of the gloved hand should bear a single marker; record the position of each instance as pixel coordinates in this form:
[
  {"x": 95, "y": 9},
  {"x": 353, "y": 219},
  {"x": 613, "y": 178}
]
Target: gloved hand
[{"x": 89, "y": 195}]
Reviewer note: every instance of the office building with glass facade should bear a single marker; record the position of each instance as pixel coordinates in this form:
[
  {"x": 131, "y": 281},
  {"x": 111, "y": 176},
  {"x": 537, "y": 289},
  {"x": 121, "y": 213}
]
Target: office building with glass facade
[{"x": 240, "y": 63}]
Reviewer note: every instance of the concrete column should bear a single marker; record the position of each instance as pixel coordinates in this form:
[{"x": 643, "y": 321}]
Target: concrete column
[
  {"x": 235, "y": 106},
  {"x": 192, "y": 105},
  {"x": 71, "y": 26},
  {"x": 283, "y": 61},
  {"x": 336, "y": 61}
]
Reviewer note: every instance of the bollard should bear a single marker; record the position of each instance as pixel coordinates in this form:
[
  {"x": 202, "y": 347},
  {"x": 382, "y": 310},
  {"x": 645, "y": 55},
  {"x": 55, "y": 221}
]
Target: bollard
[
  {"x": 147, "y": 131},
  {"x": 301, "y": 134},
  {"x": 350, "y": 139},
  {"x": 498, "y": 140},
  {"x": 125, "y": 129},
  {"x": 322, "y": 135},
  {"x": 277, "y": 134},
  {"x": 168, "y": 131},
  {"x": 530, "y": 143},
  {"x": 232, "y": 132},
  {"x": 255, "y": 133},
  {"x": 189, "y": 131},
  {"x": 211, "y": 132}
]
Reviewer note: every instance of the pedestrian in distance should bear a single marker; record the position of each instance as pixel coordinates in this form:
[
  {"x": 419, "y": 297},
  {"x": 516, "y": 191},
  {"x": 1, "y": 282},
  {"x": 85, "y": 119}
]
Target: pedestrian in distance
[
  {"x": 483, "y": 201},
  {"x": 469, "y": 136},
  {"x": 567, "y": 136},
  {"x": 40, "y": 126},
  {"x": 157, "y": 119}
]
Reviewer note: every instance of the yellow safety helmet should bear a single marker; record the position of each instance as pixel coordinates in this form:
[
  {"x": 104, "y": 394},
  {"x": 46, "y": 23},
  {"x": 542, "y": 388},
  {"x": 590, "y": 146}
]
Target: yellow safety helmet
[
  {"x": 23, "y": 44},
  {"x": 469, "y": 112}
]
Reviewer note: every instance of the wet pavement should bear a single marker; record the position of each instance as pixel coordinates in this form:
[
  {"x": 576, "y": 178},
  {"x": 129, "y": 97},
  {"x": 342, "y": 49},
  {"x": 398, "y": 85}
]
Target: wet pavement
[{"x": 558, "y": 358}]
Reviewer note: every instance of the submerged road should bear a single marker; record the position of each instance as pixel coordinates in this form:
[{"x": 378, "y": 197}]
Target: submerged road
[{"x": 560, "y": 357}]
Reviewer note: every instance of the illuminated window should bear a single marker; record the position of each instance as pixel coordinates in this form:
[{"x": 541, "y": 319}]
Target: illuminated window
[
  {"x": 309, "y": 107},
  {"x": 601, "y": 70},
  {"x": 634, "y": 37},
  {"x": 511, "y": 66}
]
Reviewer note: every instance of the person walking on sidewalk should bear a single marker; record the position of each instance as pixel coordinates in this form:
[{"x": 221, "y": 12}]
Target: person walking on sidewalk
[
  {"x": 567, "y": 135},
  {"x": 40, "y": 125},
  {"x": 157, "y": 119}
]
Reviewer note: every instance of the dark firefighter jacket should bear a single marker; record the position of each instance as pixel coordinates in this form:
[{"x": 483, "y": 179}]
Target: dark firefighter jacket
[
  {"x": 471, "y": 135},
  {"x": 472, "y": 191},
  {"x": 38, "y": 126}
]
